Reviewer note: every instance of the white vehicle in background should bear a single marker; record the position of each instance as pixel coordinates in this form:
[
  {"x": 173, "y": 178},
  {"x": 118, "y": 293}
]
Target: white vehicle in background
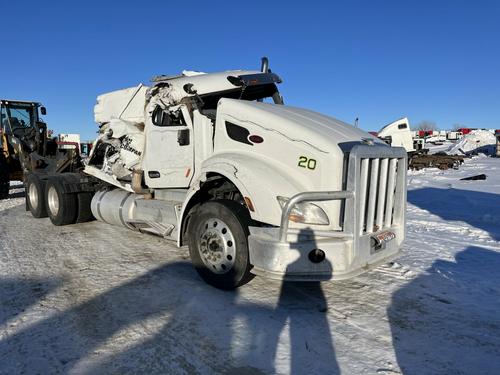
[
  {"x": 253, "y": 188},
  {"x": 454, "y": 135},
  {"x": 68, "y": 141},
  {"x": 398, "y": 134},
  {"x": 437, "y": 137}
]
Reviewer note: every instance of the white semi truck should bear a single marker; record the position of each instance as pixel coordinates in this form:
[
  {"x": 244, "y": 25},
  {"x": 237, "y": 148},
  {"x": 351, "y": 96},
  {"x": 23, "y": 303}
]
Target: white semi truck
[
  {"x": 398, "y": 134},
  {"x": 253, "y": 187}
]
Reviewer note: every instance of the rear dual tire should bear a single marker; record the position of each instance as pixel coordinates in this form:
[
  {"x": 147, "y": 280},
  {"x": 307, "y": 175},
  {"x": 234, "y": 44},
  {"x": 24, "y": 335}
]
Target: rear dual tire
[
  {"x": 35, "y": 196},
  {"x": 49, "y": 198},
  {"x": 62, "y": 207}
]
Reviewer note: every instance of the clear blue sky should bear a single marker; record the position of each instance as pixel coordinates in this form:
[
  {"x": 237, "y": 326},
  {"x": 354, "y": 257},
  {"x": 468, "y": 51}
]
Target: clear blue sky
[{"x": 376, "y": 60}]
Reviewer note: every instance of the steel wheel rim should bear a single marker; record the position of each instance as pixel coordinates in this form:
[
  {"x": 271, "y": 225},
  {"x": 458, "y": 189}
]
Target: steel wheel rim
[
  {"x": 33, "y": 195},
  {"x": 53, "y": 200},
  {"x": 217, "y": 247}
]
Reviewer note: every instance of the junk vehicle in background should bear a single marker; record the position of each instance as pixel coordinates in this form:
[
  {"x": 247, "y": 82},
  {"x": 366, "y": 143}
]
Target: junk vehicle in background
[
  {"x": 398, "y": 134},
  {"x": 253, "y": 187},
  {"x": 25, "y": 146}
]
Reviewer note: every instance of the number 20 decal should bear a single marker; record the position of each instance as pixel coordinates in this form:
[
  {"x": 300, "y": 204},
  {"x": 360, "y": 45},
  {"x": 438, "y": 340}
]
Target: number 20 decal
[{"x": 305, "y": 162}]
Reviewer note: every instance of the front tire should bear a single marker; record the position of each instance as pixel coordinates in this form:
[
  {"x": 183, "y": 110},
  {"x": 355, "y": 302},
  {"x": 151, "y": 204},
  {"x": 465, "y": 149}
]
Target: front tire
[
  {"x": 62, "y": 207},
  {"x": 218, "y": 243},
  {"x": 35, "y": 196}
]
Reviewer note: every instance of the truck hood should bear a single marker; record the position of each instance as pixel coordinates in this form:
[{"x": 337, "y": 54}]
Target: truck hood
[{"x": 315, "y": 129}]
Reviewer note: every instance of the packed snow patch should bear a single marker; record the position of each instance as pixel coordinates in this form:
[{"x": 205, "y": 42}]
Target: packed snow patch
[{"x": 16, "y": 191}]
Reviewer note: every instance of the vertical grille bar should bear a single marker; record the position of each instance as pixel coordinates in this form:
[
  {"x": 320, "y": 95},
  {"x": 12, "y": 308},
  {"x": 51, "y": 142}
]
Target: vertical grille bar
[
  {"x": 391, "y": 184},
  {"x": 382, "y": 186},
  {"x": 400, "y": 192},
  {"x": 372, "y": 196},
  {"x": 363, "y": 185}
]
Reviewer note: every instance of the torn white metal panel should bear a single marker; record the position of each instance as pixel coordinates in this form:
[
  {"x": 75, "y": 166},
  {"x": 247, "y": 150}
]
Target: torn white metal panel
[
  {"x": 131, "y": 141},
  {"x": 165, "y": 96},
  {"x": 93, "y": 171},
  {"x": 127, "y": 104},
  {"x": 121, "y": 145}
]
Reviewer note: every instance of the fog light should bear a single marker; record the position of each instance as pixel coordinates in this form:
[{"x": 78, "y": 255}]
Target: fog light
[{"x": 316, "y": 256}]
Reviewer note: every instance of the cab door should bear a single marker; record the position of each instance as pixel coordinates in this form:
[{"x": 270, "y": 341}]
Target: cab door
[{"x": 169, "y": 151}]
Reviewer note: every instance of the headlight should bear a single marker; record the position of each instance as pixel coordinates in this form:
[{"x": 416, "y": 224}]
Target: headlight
[{"x": 305, "y": 212}]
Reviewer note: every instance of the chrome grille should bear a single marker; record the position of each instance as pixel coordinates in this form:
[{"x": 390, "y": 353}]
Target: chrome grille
[{"x": 377, "y": 193}]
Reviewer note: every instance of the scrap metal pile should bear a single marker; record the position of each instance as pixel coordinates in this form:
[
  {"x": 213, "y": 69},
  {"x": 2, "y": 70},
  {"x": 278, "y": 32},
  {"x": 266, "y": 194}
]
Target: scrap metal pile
[{"x": 441, "y": 161}]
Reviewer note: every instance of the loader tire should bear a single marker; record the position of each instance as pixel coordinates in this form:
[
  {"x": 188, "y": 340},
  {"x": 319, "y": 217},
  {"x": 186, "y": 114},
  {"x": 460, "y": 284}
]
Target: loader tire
[
  {"x": 4, "y": 184},
  {"x": 35, "y": 196},
  {"x": 84, "y": 211},
  {"x": 218, "y": 243},
  {"x": 62, "y": 207}
]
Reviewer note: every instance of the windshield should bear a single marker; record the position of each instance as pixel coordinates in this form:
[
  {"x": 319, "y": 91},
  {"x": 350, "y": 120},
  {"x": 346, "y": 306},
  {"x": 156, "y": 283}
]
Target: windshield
[{"x": 21, "y": 116}]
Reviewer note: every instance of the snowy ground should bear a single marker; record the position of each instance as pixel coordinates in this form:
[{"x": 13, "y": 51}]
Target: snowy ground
[
  {"x": 445, "y": 146},
  {"x": 92, "y": 298}
]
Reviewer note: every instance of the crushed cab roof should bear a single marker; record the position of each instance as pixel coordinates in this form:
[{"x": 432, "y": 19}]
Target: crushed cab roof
[{"x": 205, "y": 83}]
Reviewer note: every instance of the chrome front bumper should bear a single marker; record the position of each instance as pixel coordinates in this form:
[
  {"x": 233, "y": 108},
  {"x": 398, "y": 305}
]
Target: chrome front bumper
[{"x": 290, "y": 260}]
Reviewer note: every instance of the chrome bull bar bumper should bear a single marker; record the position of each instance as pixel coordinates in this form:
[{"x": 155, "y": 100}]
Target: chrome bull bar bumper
[{"x": 373, "y": 225}]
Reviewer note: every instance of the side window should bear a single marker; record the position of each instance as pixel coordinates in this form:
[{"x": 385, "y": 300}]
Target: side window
[
  {"x": 402, "y": 126},
  {"x": 17, "y": 117},
  {"x": 161, "y": 117}
]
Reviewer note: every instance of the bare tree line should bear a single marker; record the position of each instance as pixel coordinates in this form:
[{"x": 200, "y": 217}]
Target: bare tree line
[{"x": 431, "y": 125}]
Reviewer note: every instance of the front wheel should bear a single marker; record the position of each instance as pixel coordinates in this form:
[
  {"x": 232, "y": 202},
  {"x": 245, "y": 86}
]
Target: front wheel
[{"x": 218, "y": 243}]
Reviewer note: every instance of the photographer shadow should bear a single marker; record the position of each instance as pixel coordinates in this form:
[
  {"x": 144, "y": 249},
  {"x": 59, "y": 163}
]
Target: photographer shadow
[
  {"x": 303, "y": 308},
  {"x": 446, "y": 321}
]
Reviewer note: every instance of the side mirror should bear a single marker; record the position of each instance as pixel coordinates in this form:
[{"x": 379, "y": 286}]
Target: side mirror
[
  {"x": 43, "y": 110},
  {"x": 157, "y": 115}
]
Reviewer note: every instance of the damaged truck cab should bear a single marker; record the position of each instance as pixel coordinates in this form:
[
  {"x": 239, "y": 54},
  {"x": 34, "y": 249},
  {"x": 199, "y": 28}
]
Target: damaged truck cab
[{"x": 253, "y": 187}]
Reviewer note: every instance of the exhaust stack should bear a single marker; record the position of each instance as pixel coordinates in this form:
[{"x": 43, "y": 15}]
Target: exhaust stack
[{"x": 264, "y": 68}]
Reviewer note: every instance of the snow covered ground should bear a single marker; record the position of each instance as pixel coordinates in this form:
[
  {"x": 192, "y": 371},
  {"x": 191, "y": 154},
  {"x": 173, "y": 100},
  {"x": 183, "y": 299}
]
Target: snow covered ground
[
  {"x": 93, "y": 298},
  {"x": 445, "y": 146}
]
